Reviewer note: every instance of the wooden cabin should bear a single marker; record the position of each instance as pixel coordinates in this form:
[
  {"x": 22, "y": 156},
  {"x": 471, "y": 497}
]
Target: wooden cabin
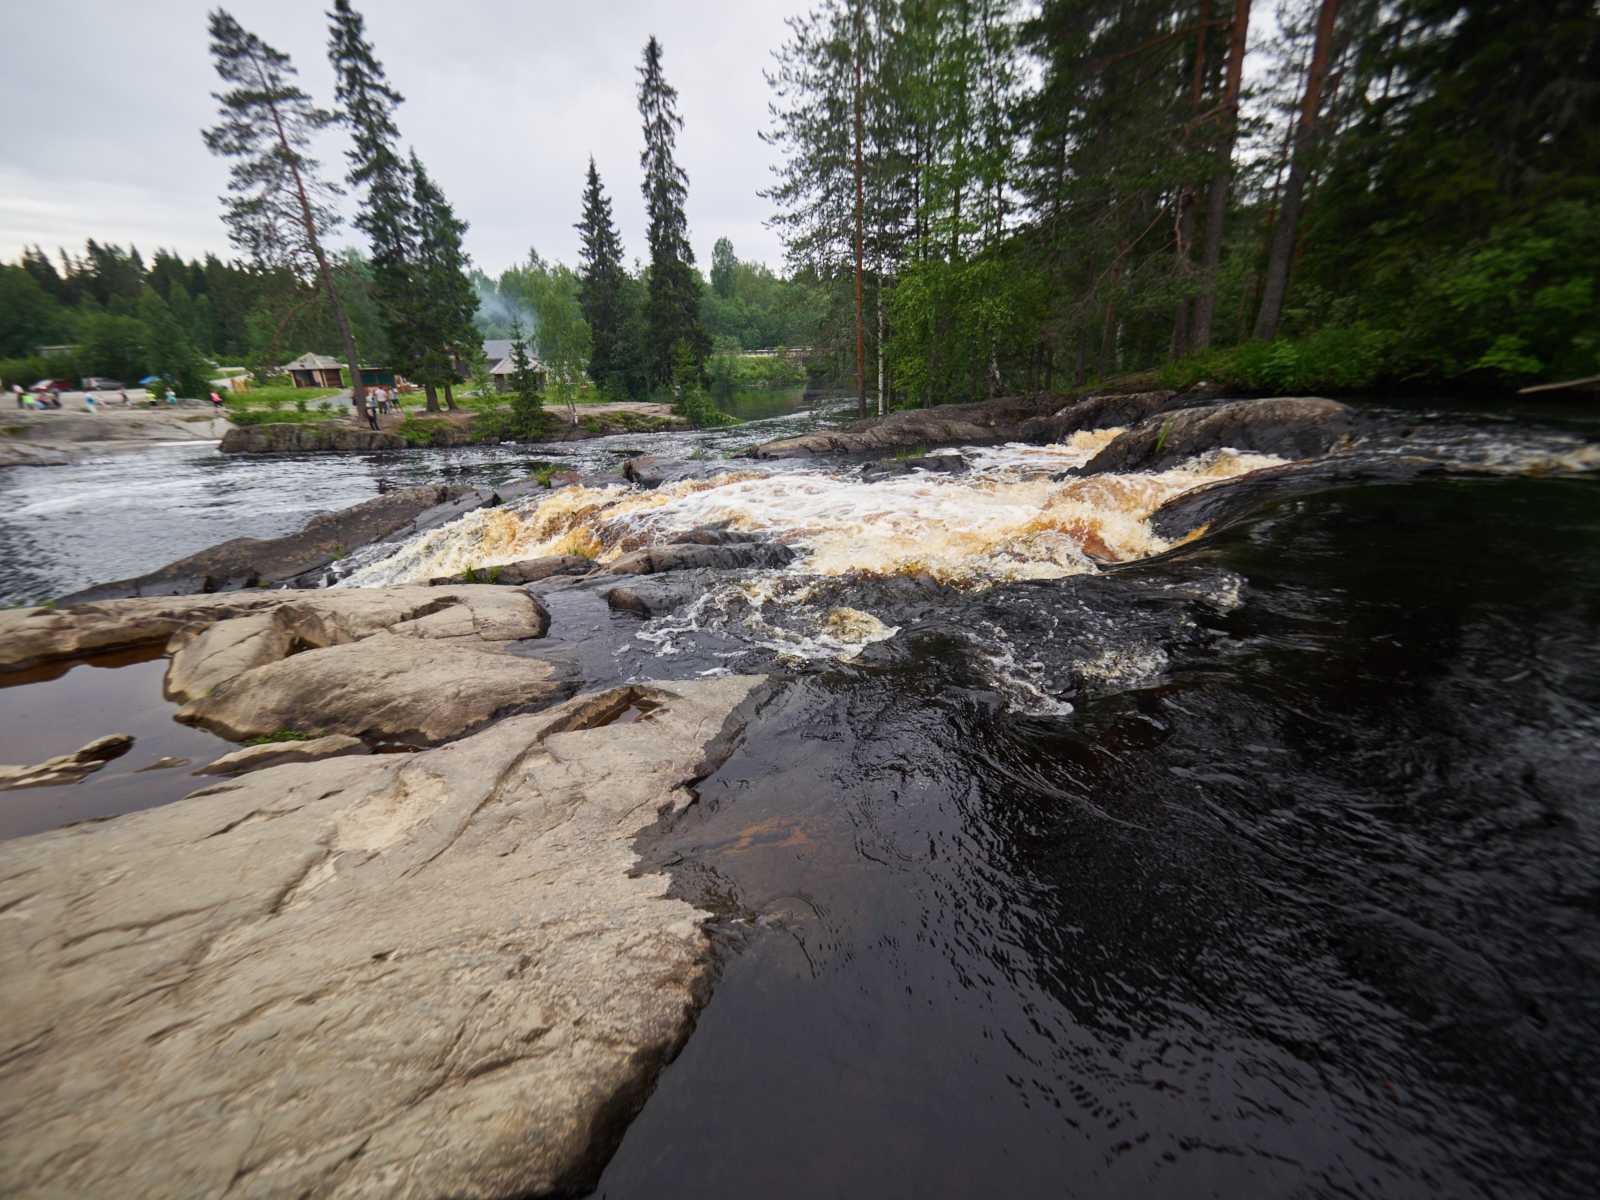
[{"x": 316, "y": 371}]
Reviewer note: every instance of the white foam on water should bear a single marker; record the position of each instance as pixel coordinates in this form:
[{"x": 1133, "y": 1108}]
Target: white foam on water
[{"x": 1005, "y": 519}]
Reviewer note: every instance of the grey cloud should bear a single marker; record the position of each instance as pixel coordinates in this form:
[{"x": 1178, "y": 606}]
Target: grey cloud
[{"x": 505, "y": 103}]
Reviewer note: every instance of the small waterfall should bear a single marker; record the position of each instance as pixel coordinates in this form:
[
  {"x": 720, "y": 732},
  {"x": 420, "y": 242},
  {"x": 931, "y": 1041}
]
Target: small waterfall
[{"x": 1007, "y": 518}]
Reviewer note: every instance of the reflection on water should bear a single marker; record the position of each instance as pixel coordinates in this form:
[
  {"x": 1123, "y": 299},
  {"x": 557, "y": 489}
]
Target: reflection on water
[
  {"x": 56, "y": 708},
  {"x": 1315, "y": 914}
]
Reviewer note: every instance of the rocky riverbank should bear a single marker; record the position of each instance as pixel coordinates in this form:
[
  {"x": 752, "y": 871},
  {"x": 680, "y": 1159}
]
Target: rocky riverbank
[
  {"x": 406, "y": 944},
  {"x": 55, "y": 438}
]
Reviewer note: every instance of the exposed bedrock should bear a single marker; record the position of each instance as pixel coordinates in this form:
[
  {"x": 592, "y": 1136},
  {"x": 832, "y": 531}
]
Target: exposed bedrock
[
  {"x": 1290, "y": 426},
  {"x": 387, "y": 976},
  {"x": 1104, "y": 412},
  {"x": 327, "y": 537},
  {"x": 972, "y": 424},
  {"x": 326, "y": 437},
  {"x": 411, "y": 664},
  {"x": 273, "y": 754},
  {"x": 683, "y": 556}
]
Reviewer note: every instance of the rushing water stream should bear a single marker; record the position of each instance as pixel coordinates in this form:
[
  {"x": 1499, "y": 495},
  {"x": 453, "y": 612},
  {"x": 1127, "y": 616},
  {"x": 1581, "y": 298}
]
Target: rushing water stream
[{"x": 1262, "y": 864}]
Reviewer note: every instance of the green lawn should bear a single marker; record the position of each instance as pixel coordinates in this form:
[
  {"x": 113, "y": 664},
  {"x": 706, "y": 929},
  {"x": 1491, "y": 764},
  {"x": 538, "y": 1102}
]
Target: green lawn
[{"x": 265, "y": 397}]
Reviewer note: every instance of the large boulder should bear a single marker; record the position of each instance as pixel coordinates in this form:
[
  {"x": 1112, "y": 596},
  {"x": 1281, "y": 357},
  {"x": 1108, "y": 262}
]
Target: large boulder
[
  {"x": 384, "y": 688},
  {"x": 327, "y": 537},
  {"x": 692, "y": 556},
  {"x": 1291, "y": 426},
  {"x": 528, "y": 570},
  {"x": 387, "y": 976},
  {"x": 29, "y": 636},
  {"x": 409, "y": 664},
  {"x": 966, "y": 424},
  {"x": 1104, "y": 412},
  {"x": 205, "y": 657},
  {"x": 321, "y": 438}
]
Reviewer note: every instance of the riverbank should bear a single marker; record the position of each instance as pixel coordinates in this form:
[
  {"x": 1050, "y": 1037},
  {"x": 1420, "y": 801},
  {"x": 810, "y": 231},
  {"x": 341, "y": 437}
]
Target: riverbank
[
  {"x": 58, "y": 438},
  {"x": 943, "y": 750}
]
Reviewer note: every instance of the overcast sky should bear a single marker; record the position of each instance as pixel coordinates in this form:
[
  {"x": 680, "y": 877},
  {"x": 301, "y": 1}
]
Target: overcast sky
[{"x": 104, "y": 101}]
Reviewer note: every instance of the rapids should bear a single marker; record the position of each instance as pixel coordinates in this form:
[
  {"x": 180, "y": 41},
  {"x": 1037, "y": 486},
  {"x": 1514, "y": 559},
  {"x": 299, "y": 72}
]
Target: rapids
[
  {"x": 1062, "y": 855},
  {"x": 1009, "y": 518}
]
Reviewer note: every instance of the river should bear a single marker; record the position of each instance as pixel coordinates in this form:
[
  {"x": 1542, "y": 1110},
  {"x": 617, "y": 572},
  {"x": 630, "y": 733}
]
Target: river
[{"x": 1266, "y": 864}]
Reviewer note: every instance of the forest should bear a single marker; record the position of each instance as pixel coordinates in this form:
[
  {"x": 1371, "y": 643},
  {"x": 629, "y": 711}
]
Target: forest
[
  {"x": 1316, "y": 195},
  {"x": 975, "y": 197}
]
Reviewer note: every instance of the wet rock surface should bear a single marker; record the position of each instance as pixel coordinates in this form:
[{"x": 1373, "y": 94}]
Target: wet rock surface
[
  {"x": 326, "y": 437},
  {"x": 1104, "y": 412},
  {"x": 326, "y": 538},
  {"x": 1292, "y": 427},
  {"x": 975, "y": 424},
  {"x": 944, "y": 464},
  {"x": 416, "y": 976},
  {"x": 66, "y": 768},
  {"x": 690, "y": 556}
]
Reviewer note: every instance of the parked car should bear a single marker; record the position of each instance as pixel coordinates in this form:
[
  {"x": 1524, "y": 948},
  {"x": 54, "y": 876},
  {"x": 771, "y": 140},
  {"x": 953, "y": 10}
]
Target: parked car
[
  {"x": 52, "y": 385},
  {"x": 99, "y": 383}
]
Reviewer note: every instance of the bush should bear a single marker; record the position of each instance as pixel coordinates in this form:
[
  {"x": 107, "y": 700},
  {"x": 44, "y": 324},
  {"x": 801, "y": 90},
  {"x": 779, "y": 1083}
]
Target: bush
[{"x": 1351, "y": 358}]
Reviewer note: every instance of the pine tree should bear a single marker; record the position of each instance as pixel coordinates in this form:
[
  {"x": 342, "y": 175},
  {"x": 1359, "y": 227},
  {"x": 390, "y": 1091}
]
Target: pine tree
[
  {"x": 602, "y": 286},
  {"x": 673, "y": 310},
  {"x": 279, "y": 210},
  {"x": 446, "y": 301},
  {"x": 377, "y": 172}
]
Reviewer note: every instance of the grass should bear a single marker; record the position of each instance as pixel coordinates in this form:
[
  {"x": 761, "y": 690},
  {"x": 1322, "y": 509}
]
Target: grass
[
  {"x": 481, "y": 575},
  {"x": 916, "y": 452},
  {"x": 266, "y": 397},
  {"x": 280, "y": 735},
  {"x": 265, "y": 416},
  {"x": 545, "y": 474}
]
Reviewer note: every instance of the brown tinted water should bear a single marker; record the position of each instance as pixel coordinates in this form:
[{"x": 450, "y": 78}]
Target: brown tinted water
[{"x": 56, "y": 708}]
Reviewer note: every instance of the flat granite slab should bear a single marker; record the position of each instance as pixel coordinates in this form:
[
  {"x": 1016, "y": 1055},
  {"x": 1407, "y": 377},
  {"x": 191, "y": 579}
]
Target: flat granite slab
[{"x": 388, "y": 976}]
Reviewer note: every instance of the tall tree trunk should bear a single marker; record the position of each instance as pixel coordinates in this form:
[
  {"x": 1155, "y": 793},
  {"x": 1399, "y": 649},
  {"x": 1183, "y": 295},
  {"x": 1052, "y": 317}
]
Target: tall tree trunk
[
  {"x": 861, "y": 328},
  {"x": 1305, "y": 139},
  {"x": 309, "y": 223},
  {"x": 433, "y": 397},
  {"x": 1217, "y": 206},
  {"x": 1185, "y": 230},
  {"x": 449, "y": 398},
  {"x": 883, "y": 406}
]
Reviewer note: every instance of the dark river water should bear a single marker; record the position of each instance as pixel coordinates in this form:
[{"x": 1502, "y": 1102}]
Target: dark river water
[{"x": 1288, "y": 885}]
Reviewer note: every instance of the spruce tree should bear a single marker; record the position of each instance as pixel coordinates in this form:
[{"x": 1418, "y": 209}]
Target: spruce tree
[
  {"x": 673, "y": 309},
  {"x": 367, "y": 105},
  {"x": 446, "y": 301},
  {"x": 601, "y": 291},
  {"x": 279, "y": 210}
]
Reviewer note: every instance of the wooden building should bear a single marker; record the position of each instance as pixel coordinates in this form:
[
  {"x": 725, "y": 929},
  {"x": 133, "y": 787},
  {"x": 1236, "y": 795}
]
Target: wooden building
[{"x": 316, "y": 371}]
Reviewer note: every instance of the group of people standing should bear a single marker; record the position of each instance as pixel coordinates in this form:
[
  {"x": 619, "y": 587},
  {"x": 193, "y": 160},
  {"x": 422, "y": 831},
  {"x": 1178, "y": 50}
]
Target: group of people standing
[{"x": 380, "y": 401}]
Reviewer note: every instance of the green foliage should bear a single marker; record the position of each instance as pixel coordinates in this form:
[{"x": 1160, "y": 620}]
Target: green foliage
[
  {"x": 673, "y": 307},
  {"x": 527, "y": 406},
  {"x": 564, "y": 336},
  {"x": 280, "y": 735},
  {"x": 954, "y": 324},
  {"x": 1336, "y": 359},
  {"x": 481, "y": 574},
  {"x": 273, "y": 416},
  {"x": 29, "y": 317}
]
